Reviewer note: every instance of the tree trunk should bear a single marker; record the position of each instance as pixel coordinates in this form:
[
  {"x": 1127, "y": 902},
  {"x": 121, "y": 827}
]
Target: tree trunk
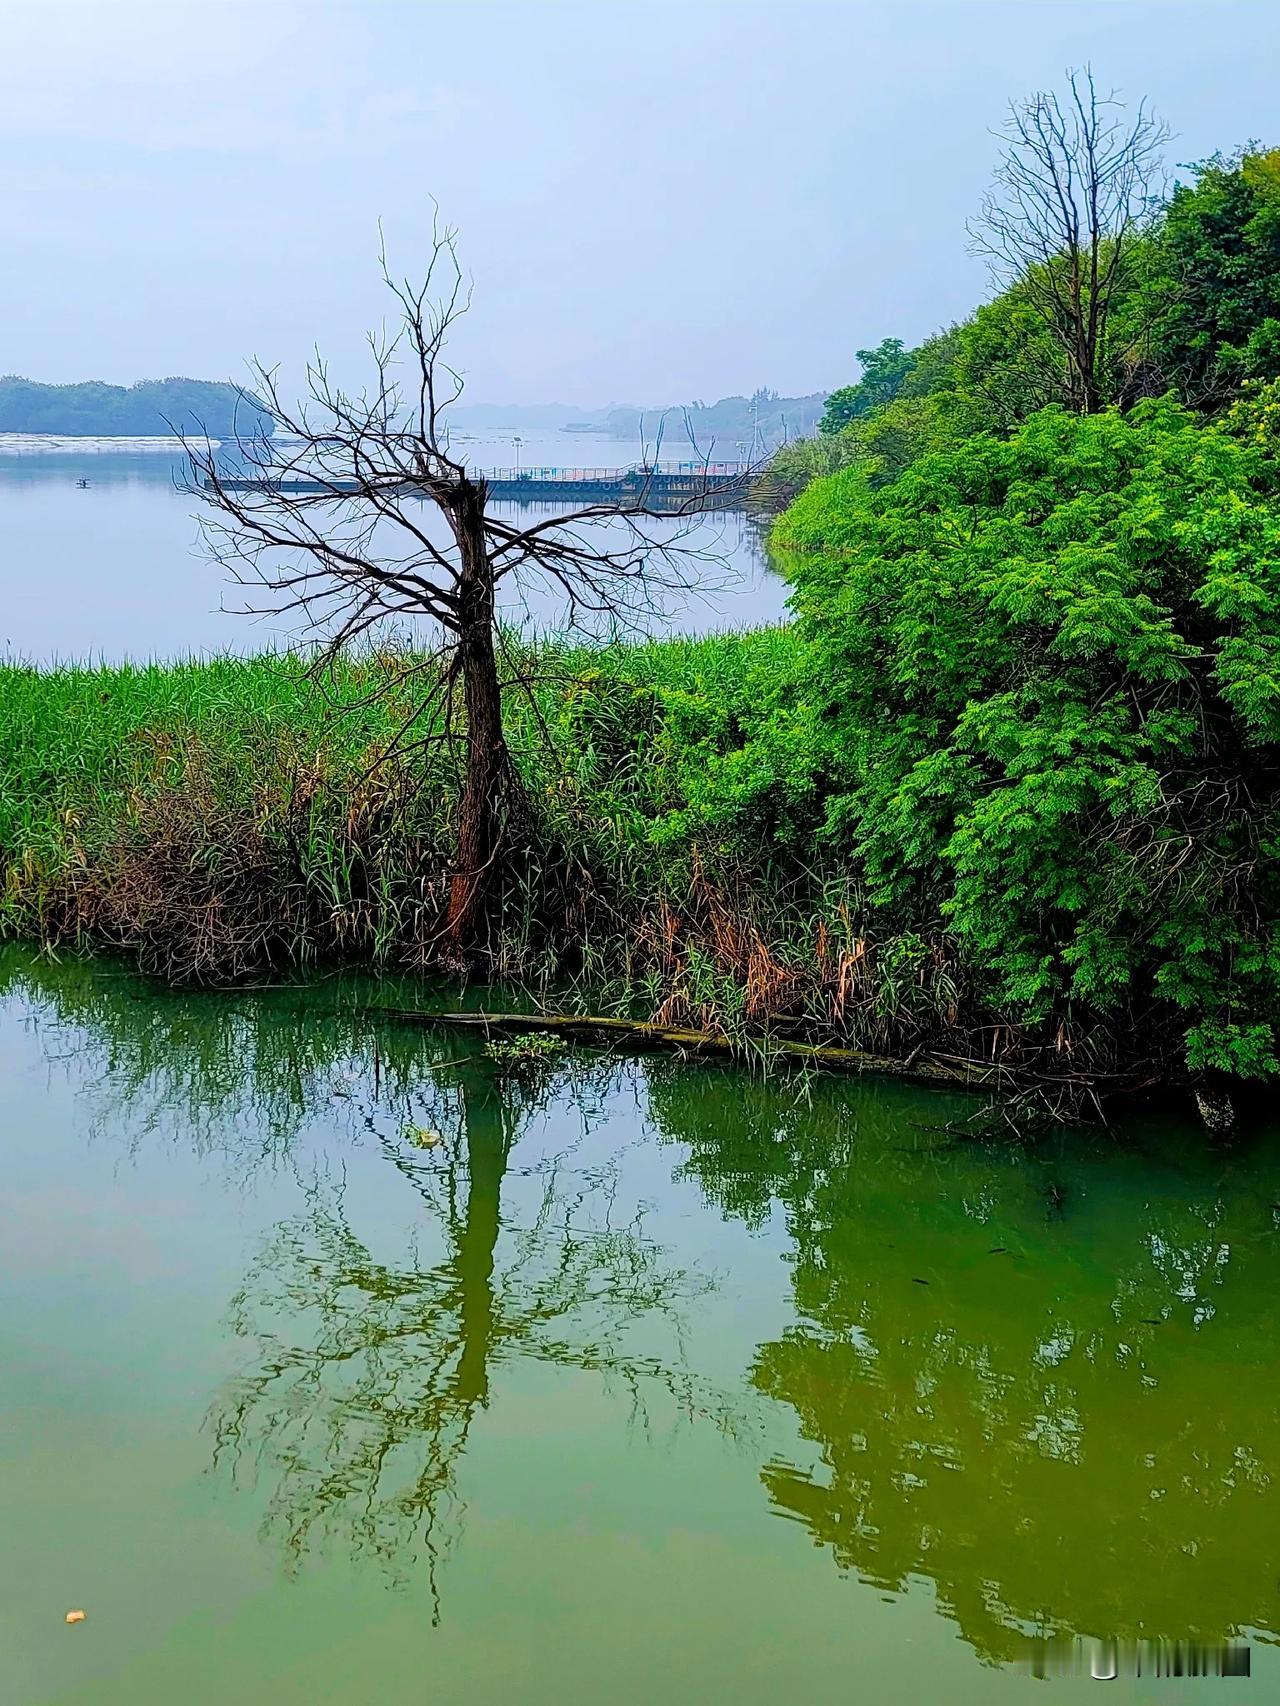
[
  {"x": 487, "y": 782},
  {"x": 476, "y": 1243}
]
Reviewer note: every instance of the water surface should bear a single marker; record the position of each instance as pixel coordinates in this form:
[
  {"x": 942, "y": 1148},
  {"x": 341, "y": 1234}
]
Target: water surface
[
  {"x": 114, "y": 567},
  {"x": 638, "y": 1381}
]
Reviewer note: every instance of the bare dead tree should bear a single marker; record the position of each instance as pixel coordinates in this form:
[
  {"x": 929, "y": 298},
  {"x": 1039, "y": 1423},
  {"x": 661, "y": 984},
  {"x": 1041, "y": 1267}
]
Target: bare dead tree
[
  {"x": 1077, "y": 184},
  {"x": 331, "y": 522}
]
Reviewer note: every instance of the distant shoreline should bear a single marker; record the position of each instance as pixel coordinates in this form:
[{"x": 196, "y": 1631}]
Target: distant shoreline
[
  {"x": 151, "y": 408},
  {"x": 41, "y": 443}
]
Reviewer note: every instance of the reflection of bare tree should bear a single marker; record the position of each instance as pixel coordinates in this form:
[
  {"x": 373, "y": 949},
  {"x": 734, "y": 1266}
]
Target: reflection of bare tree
[
  {"x": 1044, "y": 1381},
  {"x": 366, "y": 1376},
  {"x": 366, "y": 1370}
]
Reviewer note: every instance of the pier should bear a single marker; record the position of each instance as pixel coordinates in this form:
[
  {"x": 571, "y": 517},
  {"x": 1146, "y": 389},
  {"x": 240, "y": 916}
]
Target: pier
[{"x": 719, "y": 485}]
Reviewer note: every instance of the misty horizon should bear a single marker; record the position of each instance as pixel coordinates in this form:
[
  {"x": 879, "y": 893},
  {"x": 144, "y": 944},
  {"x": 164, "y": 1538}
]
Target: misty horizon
[
  {"x": 654, "y": 203},
  {"x": 531, "y": 409}
]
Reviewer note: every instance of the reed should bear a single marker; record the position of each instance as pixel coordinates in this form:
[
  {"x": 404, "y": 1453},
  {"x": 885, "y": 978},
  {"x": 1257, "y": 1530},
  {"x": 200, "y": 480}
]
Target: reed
[{"x": 223, "y": 819}]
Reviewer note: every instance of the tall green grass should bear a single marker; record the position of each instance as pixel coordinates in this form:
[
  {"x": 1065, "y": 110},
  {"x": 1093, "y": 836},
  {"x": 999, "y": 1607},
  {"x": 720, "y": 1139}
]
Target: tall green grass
[{"x": 224, "y": 818}]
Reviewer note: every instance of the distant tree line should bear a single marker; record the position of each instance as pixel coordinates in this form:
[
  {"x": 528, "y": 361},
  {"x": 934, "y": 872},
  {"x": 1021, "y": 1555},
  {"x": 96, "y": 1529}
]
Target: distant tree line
[
  {"x": 150, "y": 408},
  {"x": 760, "y": 423}
]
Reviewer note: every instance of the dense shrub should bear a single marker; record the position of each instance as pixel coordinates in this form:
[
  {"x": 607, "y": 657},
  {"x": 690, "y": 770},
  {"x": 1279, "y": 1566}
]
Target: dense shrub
[{"x": 1046, "y": 706}]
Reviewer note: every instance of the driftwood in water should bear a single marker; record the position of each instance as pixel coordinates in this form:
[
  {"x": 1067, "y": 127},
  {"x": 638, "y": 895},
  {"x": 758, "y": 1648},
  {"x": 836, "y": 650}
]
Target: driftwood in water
[{"x": 637, "y": 1033}]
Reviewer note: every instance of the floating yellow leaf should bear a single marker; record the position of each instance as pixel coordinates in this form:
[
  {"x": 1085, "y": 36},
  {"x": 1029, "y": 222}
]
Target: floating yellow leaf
[
  {"x": 422, "y": 1137},
  {"x": 75, "y": 1617}
]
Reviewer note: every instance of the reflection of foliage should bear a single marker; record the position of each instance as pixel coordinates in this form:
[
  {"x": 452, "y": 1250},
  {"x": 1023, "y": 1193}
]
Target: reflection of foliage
[
  {"x": 249, "y": 1071},
  {"x": 1041, "y": 1380}
]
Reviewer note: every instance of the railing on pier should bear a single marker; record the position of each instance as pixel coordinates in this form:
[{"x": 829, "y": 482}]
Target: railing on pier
[
  {"x": 727, "y": 482},
  {"x": 602, "y": 476}
]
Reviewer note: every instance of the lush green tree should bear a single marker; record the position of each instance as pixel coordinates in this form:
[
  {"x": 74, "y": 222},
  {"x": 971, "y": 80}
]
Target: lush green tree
[
  {"x": 884, "y": 372},
  {"x": 1045, "y": 707},
  {"x": 933, "y": 364},
  {"x": 924, "y": 407},
  {"x": 910, "y": 427},
  {"x": 1213, "y": 295},
  {"x": 1008, "y": 361}
]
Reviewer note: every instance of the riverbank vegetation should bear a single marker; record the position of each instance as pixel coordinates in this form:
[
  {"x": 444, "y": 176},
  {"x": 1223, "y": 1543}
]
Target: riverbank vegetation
[
  {"x": 1006, "y": 788},
  {"x": 222, "y": 821}
]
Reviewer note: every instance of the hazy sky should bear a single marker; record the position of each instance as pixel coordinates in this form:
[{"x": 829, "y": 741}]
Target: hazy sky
[{"x": 657, "y": 202}]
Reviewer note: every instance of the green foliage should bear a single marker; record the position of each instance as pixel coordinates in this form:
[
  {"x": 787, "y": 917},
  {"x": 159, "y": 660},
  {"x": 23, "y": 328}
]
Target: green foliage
[
  {"x": 1213, "y": 295},
  {"x": 1008, "y": 358},
  {"x": 903, "y": 431},
  {"x": 793, "y": 466},
  {"x": 513, "y": 1055},
  {"x": 1255, "y": 414},
  {"x": 537, "y": 1045},
  {"x": 1045, "y": 707},
  {"x": 881, "y": 444},
  {"x": 884, "y": 372},
  {"x": 151, "y": 408},
  {"x": 933, "y": 364}
]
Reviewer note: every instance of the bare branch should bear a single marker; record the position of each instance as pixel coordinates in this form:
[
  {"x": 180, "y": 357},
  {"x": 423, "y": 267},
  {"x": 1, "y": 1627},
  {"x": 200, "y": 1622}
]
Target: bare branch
[
  {"x": 358, "y": 513},
  {"x": 1077, "y": 183}
]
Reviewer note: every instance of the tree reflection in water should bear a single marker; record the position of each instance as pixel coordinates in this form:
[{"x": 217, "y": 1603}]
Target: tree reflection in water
[
  {"x": 365, "y": 1373},
  {"x": 366, "y": 1376},
  {"x": 1044, "y": 1384},
  {"x": 1041, "y": 1382}
]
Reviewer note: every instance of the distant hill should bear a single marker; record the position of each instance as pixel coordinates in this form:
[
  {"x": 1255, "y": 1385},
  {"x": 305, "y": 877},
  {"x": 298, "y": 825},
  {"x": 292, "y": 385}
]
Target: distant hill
[
  {"x": 761, "y": 421},
  {"x": 151, "y": 408},
  {"x": 548, "y": 415},
  {"x": 735, "y": 426}
]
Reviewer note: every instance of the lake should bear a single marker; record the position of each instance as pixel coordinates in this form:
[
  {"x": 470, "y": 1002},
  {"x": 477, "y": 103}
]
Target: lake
[
  {"x": 115, "y": 568},
  {"x": 346, "y": 1363}
]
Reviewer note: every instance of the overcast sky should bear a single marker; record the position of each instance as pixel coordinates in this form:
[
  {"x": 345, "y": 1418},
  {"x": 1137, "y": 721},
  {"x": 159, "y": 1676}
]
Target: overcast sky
[{"x": 657, "y": 202}]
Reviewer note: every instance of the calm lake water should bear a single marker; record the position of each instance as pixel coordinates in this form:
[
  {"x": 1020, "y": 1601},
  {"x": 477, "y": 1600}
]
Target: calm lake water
[
  {"x": 116, "y": 568},
  {"x": 643, "y": 1382}
]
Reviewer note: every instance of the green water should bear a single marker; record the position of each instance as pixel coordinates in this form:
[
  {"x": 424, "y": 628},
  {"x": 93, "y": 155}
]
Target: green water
[{"x": 647, "y": 1382}]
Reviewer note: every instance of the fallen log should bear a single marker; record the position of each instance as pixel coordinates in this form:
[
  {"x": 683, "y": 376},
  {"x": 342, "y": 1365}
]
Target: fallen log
[{"x": 641, "y": 1034}]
